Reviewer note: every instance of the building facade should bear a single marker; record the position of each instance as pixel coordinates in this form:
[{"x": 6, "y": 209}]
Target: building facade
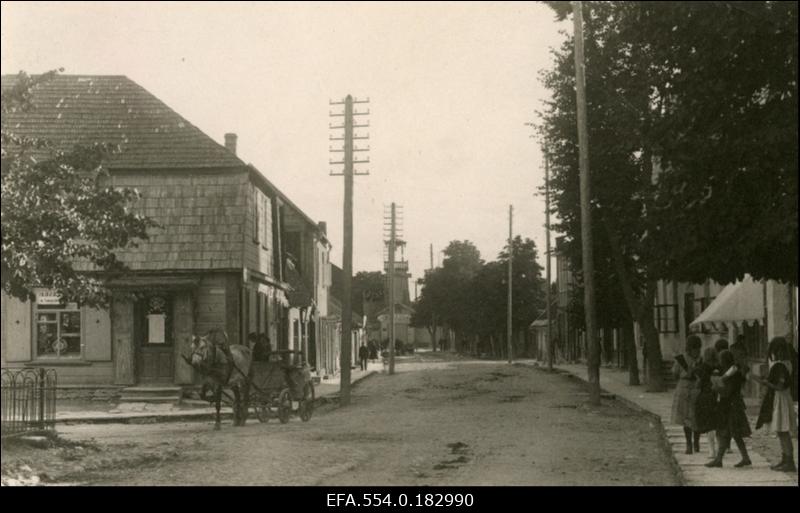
[{"x": 218, "y": 259}]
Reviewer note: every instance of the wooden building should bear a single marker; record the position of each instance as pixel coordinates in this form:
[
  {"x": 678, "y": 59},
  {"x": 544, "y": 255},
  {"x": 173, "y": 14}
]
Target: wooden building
[{"x": 219, "y": 259}]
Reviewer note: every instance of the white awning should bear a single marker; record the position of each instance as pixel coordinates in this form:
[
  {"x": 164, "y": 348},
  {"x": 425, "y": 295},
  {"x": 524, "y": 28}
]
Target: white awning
[{"x": 740, "y": 302}]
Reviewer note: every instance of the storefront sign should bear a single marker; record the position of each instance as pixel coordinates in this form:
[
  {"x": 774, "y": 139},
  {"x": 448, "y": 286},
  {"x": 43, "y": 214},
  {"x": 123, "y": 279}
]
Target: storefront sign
[{"x": 48, "y": 297}]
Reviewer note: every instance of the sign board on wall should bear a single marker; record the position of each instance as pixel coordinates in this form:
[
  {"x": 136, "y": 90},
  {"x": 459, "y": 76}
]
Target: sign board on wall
[
  {"x": 156, "y": 328},
  {"x": 47, "y": 297}
]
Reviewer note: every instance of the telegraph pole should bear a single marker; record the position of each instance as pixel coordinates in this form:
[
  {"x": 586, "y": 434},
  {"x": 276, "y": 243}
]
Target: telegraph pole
[
  {"x": 348, "y": 149},
  {"x": 391, "y": 270},
  {"x": 586, "y": 214},
  {"x": 550, "y": 345},
  {"x": 510, "y": 258}
]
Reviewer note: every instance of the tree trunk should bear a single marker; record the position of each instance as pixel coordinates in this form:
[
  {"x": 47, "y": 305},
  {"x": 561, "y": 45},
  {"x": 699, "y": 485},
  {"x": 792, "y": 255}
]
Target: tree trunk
[
  {"x": 641, "y": 309},
  {"x": 629, "y": 346},
  {"x": 652, "y": 344},
  {"x": 432, "y": 329}
]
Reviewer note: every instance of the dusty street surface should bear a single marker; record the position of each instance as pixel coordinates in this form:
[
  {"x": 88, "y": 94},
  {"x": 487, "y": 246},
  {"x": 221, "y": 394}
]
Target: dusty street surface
[{"x": 435, "y": 422}]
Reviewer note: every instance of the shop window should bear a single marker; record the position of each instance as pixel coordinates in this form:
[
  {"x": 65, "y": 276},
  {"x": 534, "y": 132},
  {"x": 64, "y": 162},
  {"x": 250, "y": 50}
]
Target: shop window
[
  {"x": 58, "y": 330},
  {"x": 666, "y": 318}
]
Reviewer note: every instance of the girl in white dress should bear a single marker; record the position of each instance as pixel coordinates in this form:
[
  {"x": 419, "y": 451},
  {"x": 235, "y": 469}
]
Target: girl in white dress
[{"x": 777, "y": 409}]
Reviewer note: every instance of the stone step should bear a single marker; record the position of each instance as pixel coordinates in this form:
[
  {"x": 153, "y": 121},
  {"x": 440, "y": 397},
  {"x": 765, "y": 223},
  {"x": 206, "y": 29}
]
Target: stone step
[
  {"x": 152, "y": 389},
  {"x": 150, "y": 399},
  {"x": 151, "y": 394}
]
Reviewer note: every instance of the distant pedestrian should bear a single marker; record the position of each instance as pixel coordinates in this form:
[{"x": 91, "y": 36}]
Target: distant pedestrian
[
  {"x": 363, "y": 356},
  {"x": 683, "y": 411},
  {"x": 777, "y": 409},
  {"x": 720, "y": 345},
  {"x": 373, "y": 350},
  {"x": 732, "y": 417},
  {"x": 705, "y": 406}
]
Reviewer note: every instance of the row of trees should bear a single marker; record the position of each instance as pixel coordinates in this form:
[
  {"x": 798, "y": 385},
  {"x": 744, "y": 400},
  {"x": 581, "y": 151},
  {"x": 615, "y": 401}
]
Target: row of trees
[
  {"x": 692, "y": 113},
  {"x": 469, "y": 296}
]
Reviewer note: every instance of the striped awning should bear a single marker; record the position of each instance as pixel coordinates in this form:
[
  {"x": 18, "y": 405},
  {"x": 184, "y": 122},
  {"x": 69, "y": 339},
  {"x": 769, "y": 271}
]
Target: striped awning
[{"x": 738, "y": 303}]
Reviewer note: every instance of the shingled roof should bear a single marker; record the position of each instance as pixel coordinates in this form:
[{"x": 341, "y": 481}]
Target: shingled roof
[{"x": 85, "y": 109}]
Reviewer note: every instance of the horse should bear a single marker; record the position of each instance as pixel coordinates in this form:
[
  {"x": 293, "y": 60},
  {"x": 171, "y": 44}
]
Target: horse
[{"x": 222, "y": 365}]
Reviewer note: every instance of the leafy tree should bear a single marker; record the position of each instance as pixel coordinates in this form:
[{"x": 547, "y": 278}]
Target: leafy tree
[
  {"x": 728, "y": 141},
  {"x": 367, "y": 287},
  {"x": 427, "y": 305},
  {"x": 691, "y": 110},
  {"x": 461, "y": 263},
  {"x": 59, "y": 215},
  {"x": 490, "y": 293}
]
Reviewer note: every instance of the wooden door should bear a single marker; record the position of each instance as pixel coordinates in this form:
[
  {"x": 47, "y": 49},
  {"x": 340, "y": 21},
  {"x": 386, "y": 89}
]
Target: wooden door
[{"x": 154, "y": 339}]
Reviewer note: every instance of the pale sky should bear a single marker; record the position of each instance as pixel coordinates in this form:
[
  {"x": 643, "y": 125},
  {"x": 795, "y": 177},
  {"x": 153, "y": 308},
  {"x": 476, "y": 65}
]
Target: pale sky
[{"x": 451, "y": 86}]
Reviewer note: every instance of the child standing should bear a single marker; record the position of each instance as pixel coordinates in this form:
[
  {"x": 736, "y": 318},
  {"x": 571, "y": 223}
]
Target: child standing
[
  {"x": 732, "y": 417},
  {"x": 683, "y": 411},
  {"x": 706, "y": 403},
  {"x": 777, "y": 410}
]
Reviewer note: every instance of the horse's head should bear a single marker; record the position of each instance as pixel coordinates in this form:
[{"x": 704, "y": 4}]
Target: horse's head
[
  {"x": 204, "y": 348},
  {"x": 201, "y": 351}
]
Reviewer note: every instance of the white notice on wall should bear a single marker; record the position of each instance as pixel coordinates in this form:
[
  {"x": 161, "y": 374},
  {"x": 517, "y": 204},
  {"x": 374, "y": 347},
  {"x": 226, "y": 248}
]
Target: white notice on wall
[{"x": 155, "y": 328}]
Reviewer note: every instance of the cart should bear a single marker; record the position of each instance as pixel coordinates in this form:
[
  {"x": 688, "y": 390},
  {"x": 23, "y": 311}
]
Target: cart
[{"x": 282, "y": 387}]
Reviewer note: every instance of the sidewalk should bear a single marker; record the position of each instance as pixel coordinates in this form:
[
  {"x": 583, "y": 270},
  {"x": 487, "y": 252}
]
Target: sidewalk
[
  {"x": 153, "y": 413},
  {"x": 692, "y": 466}
]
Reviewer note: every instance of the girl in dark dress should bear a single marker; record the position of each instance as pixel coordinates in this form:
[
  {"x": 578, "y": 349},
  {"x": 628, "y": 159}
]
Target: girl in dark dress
[
  {"x": 732, "y": 417},
  {"x": 706, "y": 420}
]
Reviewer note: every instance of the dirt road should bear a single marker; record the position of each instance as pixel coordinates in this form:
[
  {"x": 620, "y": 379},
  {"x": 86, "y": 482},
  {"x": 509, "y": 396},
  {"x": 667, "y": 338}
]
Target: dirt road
[{"x": 433, "y": 423}]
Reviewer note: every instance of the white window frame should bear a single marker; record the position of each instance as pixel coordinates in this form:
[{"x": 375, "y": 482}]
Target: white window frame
[{"x": 60, "y": 309}]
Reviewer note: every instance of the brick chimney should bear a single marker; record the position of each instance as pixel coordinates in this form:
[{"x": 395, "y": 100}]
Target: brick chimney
[
  {"x": 230, "y": 142},
  {"x": 323, "y": 227}
]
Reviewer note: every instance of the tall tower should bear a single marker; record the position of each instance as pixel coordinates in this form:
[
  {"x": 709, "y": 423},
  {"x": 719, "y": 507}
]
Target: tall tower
[{"x": 402, "y": 293}]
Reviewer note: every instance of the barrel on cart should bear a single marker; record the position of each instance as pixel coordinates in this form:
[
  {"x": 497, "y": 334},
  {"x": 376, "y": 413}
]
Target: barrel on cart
[{"x": 282, "y": 386}]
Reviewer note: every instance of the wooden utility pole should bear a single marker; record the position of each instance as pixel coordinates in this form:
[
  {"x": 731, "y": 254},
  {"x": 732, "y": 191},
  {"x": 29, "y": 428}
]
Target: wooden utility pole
[
  {"x": 434, "y": 320},
  {"x": 586, "y": 214},
  {"x": 510, "y": 266},
  {"x": 348, "y": 149},
  {"x": 392, "y": 243},
  {"x": 550, "y": 344}
]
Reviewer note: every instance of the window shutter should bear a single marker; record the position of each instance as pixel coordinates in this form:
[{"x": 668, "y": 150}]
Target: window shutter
[
  {"x": 256, "y": 220},
  {"x": 97, "y": 335},
  {"x": 18, "y": 330}
]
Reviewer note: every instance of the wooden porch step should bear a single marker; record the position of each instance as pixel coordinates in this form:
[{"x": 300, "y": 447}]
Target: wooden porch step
[
  {"x": 149, "y": 399},
  {"x": 151, "y": 394},
  {"x": 154, "y": 389}
]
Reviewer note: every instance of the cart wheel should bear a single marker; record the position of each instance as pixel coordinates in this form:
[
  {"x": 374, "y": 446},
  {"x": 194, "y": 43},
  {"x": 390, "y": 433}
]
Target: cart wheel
[
  {"x": 307, "y": 406},
  {"x": 262, "y": 412},
  {"x": 284, "y": 406}
]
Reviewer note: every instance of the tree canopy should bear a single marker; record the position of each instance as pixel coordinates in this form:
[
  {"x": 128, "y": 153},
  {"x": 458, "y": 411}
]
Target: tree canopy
[
  {"x": 707, "y": 92},
  {"x": 692, "y": 120},
  {"x": 470, "y": 295}
]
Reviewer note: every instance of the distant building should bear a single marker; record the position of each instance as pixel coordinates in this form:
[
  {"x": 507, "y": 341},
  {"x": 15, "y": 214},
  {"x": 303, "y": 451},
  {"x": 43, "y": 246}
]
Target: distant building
[
  {"x": 403, "y": 310},
  {"x": 330, "y": 341}
]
